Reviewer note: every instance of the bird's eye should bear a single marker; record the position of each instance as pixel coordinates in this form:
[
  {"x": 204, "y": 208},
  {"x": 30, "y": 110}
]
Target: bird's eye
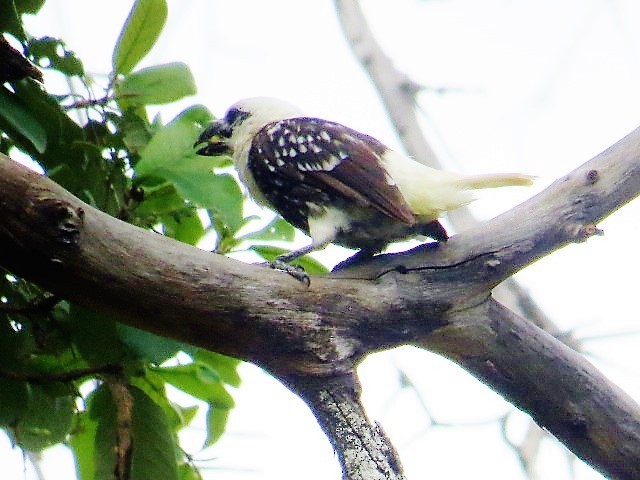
[{"x": 235, "y": 116}]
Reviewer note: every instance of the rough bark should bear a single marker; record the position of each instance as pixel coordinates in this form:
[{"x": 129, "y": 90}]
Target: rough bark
[
  {"x": 435, "y": 297},
  {"x": 558, "y": 387},
  {"x": 363, "y": 449}
]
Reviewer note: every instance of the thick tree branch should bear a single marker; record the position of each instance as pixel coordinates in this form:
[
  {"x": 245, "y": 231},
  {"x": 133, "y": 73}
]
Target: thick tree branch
[
  {"x": 431, "y": 296},
  {"x": 513, "y": 356}
]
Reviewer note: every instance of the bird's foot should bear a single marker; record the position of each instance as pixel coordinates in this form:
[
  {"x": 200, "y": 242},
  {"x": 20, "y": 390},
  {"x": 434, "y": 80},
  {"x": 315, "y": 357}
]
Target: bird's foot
[{"x": 295, "y": 271}]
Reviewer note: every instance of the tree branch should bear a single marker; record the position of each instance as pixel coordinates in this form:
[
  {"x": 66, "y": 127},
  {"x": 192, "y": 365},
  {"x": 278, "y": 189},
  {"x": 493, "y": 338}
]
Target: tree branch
[
  {"x": 565, "y": 212},
  {"x": 362, "y": 447},
  {"x": 557, "y": 386},
  {"x": 435, "y": 296},
  {"x": 397, "y": 91}
]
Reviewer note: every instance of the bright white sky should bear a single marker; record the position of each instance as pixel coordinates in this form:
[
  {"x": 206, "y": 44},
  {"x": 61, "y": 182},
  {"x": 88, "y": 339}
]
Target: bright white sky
[{"x": 541, "y": 87}]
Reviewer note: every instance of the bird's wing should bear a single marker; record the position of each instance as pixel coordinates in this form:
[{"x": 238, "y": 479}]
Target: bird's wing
[{"x": 306, "y": 159}]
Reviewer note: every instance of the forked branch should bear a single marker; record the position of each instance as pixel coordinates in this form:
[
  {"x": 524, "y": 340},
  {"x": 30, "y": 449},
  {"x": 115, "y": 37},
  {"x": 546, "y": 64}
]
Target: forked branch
[{"x": 436, "y": 297}]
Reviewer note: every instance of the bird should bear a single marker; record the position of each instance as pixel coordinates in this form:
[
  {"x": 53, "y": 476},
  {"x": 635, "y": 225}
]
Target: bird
[{"x": 334, "y": 183}]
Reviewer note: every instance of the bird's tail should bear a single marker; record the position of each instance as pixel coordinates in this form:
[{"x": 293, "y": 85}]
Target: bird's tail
[{"x": 493, "y": 180}]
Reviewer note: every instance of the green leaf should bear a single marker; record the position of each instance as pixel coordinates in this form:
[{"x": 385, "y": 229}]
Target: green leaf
[
  {"x": 10, "y": 21},
  {"x": 225, "y": 367},
  {"x": 172, "y": 145},
  {"x": 195, "y": 180},
  {"x": 133, "y": 129},
  {"x": 188, "y": 472},
  {"x": 102, "y": 424},
  {"x": 139, "y": 33},
  {"x": 95, "y": 337},
  {"x": 16, "y": 345},
  {"x": 46, "y": 419},
  {"x": 154, "y": 386},
  {"x": 185, "y": 414},
  {"x": 185, "y": 226},
  {"x": 154, "y": 454},
  {"x": 82, "y": 171},
  {"x": 170, "y": 155},
  {"x": 277, "y": 229},
  {"x": 151, "y": 348},
  {"x": 83, "y": 444},
  {"x": 61, "y": 131},
  {"x": 217, "y": 417},
  {"x": 29, "y": 6},
  {"x": 13, "y": 398},
  {"x": 19, "y": 117},
  {"x": 222, "y": 194},
  {"x": 159, "y": 201},
  {"x": 52, "y": 53},
  {"x": 201, "y": 381},
  {"x": 310, "y": 265},
  {"x": 155, "y": 85}
]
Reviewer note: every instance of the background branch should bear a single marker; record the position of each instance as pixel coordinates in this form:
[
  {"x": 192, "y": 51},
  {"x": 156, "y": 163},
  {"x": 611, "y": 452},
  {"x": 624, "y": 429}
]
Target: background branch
[
  {"x": 398, "y": 94},
  {"x": 397, "y": 91}
]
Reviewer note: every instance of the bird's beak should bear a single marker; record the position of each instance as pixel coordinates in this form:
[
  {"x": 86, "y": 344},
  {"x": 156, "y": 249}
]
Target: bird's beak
[{"x": 213, "y": 141}]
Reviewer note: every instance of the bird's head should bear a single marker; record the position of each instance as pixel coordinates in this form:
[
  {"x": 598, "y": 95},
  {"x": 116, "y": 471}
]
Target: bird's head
[{"x": 241, "y": 122}]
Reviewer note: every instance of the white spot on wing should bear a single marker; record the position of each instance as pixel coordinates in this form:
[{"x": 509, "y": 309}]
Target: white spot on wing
[
  {"x": 292, "y": 152},
  {"x": 331, "y": 163},
  {"x": 273, "y": 130},
  {"x": 324, "y": 135}
]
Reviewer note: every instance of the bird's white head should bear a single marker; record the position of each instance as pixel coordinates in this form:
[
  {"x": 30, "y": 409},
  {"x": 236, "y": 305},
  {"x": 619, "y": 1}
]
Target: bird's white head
[
  {"x": 248, "y": 116},
  {"x": 241, "y": 122}
]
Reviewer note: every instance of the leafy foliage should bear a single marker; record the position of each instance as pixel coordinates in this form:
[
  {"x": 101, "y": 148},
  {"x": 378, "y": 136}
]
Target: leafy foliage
[{"x": 67, "y": 374}]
